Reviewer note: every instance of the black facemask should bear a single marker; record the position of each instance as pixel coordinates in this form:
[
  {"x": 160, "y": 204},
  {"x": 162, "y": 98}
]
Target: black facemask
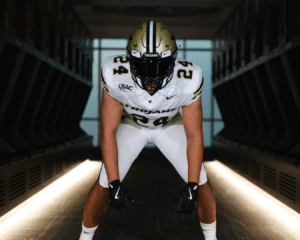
[{"x": 152, "y": 71}]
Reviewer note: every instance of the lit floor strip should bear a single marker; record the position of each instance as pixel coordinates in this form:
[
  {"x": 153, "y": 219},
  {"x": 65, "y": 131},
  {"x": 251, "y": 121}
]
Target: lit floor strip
[
  {"x": 254, "y": 196},
  {"x": 45, "y": 196}
]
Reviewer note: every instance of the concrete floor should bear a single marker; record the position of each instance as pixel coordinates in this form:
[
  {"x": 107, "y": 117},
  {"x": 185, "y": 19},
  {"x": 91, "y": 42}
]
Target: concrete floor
[{"x": 153, "y": 182}]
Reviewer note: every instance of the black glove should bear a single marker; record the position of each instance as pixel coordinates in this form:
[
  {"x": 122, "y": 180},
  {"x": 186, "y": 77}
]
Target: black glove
[
  {"x": 188, "y": 198},
  {"x": 117, "y": 195}
]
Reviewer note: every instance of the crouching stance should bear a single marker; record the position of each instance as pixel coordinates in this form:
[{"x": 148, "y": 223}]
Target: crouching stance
[{"x": 151, "y": 96}]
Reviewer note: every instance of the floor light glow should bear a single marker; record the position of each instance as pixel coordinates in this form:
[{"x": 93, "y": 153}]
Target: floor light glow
[
  {"x": 252, "y": 196},
  {"x": 49, "y": 193},
  {"x": 268, "y": 205}
]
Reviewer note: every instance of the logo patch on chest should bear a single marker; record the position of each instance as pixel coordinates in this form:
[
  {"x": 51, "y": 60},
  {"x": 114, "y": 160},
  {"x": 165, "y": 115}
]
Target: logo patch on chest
[{"x": 125, "y": 87}]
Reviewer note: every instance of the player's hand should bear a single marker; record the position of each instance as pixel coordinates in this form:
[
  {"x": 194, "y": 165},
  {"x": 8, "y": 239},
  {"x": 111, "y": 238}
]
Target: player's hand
[
  {"x": 118, "y": 194},
  {"x": 188, "y": 198}
]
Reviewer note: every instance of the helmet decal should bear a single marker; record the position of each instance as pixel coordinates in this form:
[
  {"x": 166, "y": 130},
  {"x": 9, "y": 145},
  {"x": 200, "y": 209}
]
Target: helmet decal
[
  {"x": 166, "y": 54},
  {"x": 136, "y": 54}
]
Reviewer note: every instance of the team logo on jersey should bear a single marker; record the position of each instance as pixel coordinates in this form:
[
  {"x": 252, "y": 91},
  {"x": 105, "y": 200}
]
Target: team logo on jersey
[
  {"x": 149, "y": 112},
  {"x": 125, "y": 87}
]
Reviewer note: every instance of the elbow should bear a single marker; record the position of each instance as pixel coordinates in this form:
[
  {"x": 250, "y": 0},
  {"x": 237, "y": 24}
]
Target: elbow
[
  {"x": 107, "y": 139},
  {"x": 195, "y": 137},
  {"x": 107, "y": 134}
]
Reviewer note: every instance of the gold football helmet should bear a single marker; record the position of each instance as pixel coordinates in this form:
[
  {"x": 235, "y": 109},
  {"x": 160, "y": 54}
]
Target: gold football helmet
[{"x": 152, "y": 52}]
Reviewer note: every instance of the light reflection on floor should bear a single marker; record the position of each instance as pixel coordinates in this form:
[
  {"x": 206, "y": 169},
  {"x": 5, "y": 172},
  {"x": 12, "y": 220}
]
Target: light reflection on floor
[
  {"x": 62, "y": 188},
  {"x": 65, "y": 198},
  {"x": 247, "y": 195}
]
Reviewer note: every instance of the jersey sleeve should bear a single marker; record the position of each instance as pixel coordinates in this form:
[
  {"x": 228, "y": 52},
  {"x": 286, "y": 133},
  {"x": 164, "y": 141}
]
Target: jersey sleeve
[
  {"x": 195, "y": 89},
  {"x": 103, "y": 82},
  {"x": 107, "y": 80}
]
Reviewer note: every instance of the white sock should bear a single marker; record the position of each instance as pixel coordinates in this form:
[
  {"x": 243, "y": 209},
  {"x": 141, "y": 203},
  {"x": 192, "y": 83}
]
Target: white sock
[
  {"x": 209, "y": 230},
  {"x": 87, "y": 233}
]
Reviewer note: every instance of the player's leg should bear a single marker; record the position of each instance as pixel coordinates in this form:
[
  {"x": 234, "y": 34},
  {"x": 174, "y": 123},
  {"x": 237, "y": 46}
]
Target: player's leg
[
  {"x": 96, "y": 204},
  {"x": 130, "y": 142},
  {"x": 206, "y": 205},
  {"x": 173, "y": 144},
  {"x": 206, "y": 209}
]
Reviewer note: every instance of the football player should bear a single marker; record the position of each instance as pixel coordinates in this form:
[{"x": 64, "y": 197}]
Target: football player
[{"x": 151, "y": 96}]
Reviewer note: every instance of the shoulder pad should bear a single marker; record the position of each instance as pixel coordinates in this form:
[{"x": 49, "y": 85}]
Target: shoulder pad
[
  {"x": 189, "y": 76},
  {"x": 189, "y": 80},
  {"x": 107, "y": 76}
]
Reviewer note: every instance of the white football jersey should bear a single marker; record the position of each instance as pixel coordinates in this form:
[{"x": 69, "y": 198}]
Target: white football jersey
[{"x": 140, "y": 109}]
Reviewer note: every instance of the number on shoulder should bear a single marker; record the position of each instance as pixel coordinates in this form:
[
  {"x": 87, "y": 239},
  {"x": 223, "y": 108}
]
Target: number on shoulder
[
  {"x": 121, "y": 70},
  {"x": 185, "y": 63},
  {"x": 184, "y": 73},
  {"x": 121, "y": 59}
]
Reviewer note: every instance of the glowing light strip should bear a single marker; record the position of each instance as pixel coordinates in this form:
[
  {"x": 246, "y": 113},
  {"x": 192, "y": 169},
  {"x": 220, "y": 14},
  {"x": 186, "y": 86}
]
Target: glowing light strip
[
  {"x": 46, "y": 195},
  {"x": 151, "y": 36},
  {"x": 270, "y": 206}
]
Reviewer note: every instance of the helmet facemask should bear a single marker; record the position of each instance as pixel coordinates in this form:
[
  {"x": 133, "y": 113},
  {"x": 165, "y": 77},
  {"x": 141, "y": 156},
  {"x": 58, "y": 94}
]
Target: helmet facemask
[{"x": 152, "y": 73}]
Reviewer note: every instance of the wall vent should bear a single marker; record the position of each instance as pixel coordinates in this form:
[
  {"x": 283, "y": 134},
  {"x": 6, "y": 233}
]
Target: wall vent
[
  {"x": 48, "y": 170},
  {"x": 245, "y": 165},
  {"x": 287, "y": 186},
  {"x": 68, "y": 163},
  {"x": 17, "y": 185},
  {"x": 2, "y": 197},
  {"x": 35, "y": 176},
  {"x": 269, "y": 177},
  {"x": 255, "y": 170},
  {"x": 58, "y": 165}
]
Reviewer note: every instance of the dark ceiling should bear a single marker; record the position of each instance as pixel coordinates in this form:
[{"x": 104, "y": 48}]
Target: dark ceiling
[{"x": 187, "y": 19}]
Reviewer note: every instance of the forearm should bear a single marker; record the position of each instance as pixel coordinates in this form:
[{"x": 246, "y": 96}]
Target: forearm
[
  {"x": 109, "y": 152},
  {"x": 195, "y": 150}
]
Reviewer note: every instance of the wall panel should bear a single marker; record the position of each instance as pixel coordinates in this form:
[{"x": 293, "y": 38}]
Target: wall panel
[
  {"x": 264, "y": 95},
  {"x": 39, "y": 78}
]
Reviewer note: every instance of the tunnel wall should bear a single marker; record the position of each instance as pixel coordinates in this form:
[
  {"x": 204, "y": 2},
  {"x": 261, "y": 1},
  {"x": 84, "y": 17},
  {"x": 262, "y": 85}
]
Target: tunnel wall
[
  {"x": 256, "y": 83},
  {"x": 46, "y": 79}
]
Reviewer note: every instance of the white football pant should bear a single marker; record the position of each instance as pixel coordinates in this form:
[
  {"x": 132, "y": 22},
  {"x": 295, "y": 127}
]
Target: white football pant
[{"x": 171, "y": 141}]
